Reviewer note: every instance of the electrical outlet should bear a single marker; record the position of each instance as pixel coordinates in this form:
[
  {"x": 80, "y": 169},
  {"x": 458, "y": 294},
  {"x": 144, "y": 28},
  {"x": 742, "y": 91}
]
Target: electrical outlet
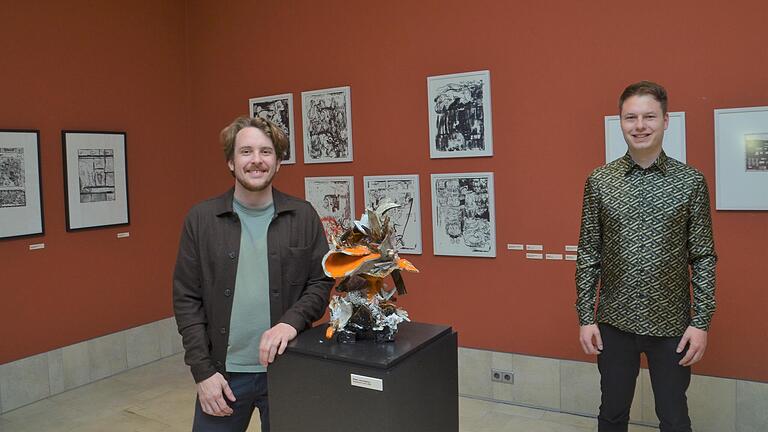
[{"x": 502, "y": 376}]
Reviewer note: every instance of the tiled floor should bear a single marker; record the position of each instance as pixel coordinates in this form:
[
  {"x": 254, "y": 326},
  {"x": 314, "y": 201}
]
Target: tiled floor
[{"x": 159, "y": 397}]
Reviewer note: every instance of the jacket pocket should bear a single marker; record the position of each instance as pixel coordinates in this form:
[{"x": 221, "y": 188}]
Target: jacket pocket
[{"x": 297, "y": 262}]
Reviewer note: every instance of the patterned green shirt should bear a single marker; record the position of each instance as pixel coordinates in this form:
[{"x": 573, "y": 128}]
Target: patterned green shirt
[{"x": 640, "y": 231}]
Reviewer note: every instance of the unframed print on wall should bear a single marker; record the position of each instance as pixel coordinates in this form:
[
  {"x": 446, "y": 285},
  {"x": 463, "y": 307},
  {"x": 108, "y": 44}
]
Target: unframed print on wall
[
  {"x": 460, "y": 115},
  {"x": 406, "y": 219},
  {"x": 21, "y": 205},
  {"x": 673, "y": 143},
  {"x": 327, "y": 122},
  {"x": 741, "y": 158},
  {"x": 95, "y": 179},
  {"x": 334, "y": 200},
  {"x": 279, "y": 110},
  {"x": 463, "y": 214}
]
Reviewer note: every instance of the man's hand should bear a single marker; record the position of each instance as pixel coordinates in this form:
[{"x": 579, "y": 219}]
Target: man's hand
[
  {"x": 274, "y": 341},
  {"x": 210, "y": 391},
  {"x": 697, "y": 341},
  {"x": 589, "y": 336}
]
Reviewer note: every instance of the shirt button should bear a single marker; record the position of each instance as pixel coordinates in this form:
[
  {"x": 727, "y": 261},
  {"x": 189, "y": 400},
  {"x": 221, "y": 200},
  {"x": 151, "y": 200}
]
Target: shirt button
[
  {"x": 232, "y": 255},
  {"x": 223, "y": 330},
  {"x": 642, "y": 295},
  {"x": 227, "y": 292}
]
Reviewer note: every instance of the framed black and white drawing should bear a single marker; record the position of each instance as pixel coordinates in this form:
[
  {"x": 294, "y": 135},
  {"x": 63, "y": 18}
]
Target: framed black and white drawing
[
  {"x": 279, "y": 110},
  {"x": 21, "y": 204},
  {"x": 327, "y": 121},
  {"x": 406, "y": 219},
  {"x": 673, "y": 143},
  {"x": 741, "y": 158},
  {"x": 334, "y": 200},
  {"x": 460, "y": 115},
  {"x": 463, "y": 214},
  {"x": 95, "y": 179}
]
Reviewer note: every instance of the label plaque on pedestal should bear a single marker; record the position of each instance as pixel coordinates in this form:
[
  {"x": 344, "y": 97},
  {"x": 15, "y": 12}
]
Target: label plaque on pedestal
[{"x": 410, "y": 384}]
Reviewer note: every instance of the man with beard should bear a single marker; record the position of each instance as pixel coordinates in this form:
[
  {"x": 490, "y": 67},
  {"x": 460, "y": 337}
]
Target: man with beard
[{"x": 248, "y": 278}]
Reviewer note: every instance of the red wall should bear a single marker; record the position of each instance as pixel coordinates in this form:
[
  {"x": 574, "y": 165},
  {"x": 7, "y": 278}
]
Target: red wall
[
  {"x": 95, "y": 66},
  {"x": 556, "y": 69}
]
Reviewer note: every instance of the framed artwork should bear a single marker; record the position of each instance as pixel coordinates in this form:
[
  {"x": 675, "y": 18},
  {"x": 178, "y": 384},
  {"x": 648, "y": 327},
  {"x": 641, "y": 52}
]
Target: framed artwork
[
  {"x": 463, "y": 214},
  {"x": 673, "y": 143},
  {"x": 334, "y": 200},
  {"x": 327, "y": 121},
  {"x": 95, "y": 179},
  {"x": 21, "y": 204},
  {"x": 406, "y": 219},
  {"x": 741, "y": 158},
  {"x": 460, "y": 115},
  {"x": 279, "y": 110}
]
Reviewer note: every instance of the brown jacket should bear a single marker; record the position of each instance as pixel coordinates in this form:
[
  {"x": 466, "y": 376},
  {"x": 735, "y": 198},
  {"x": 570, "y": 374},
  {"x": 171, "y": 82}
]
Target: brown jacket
[{"x": 206, "y": 266}]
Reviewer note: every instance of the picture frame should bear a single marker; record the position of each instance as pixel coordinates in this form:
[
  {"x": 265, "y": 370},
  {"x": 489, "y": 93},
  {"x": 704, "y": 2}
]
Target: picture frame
[
  {"x": 460, "y": 115},
  {"x": 21, "y": 203},
  {"x": 279, "y": 110},
  {"x": 673, "y": 143},
  {"x": 334, "y": 200},
  {"x": 95, "y": 179},
  {"x": 327, "y": 125},
  {"x": 741, "y": 158},
  {"x": 406, "y": 219},
  {"x": 463, "y": 214}
]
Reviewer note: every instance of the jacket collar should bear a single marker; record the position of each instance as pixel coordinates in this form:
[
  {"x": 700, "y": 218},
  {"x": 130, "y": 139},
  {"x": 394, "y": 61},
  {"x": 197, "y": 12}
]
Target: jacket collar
[{"x": 223, "y": 203}]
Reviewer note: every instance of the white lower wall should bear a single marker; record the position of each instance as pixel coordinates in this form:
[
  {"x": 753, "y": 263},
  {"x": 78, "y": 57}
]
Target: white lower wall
[
  {"x": 37, "y": 377},
  {"x": 715, "y": 404}
]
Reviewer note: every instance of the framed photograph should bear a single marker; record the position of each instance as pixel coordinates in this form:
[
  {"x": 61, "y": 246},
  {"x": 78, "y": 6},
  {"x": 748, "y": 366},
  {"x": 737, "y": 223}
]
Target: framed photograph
[
  {"x": 406, "y": 219},
  {"x": 741, "y": 158},
  {"x": 95, "y": 179},
  {"x": 673, "y": 143},
  {"x": 460, "y": 115},
  {"x": 279, "y": 110},
  {"x": 21, "y": 204},
  {"x": 327, "y": 120},
  {"x": 463, "y": 214},
  {"x": 334, "y": 200}
]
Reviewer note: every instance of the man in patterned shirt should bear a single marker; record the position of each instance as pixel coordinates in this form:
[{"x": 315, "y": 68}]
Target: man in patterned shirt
[{"x": 645, "y": 222}]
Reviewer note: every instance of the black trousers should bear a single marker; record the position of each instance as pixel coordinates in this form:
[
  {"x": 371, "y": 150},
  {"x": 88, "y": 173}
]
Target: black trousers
[{"x": 619, "y": 365}]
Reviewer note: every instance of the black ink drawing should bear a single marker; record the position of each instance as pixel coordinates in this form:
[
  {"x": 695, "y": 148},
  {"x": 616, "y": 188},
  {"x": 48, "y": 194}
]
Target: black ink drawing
[
  {"x": 12, "y": 177},
  {"x": 463, "y": 215},
  {"x": 460, "y": 117},
  {"x": 277, "y": 111},
  {"x": 756, "y": 152},
  {"x": 327, "y": 132},
  {"x": 96, "y": 169},
  {"x": 406, "y": 219}
]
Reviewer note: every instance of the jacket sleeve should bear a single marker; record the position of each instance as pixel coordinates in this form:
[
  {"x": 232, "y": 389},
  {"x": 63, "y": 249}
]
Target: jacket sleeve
[
  {"x": 588, "y": 260},
  {"x": 314, "y": 299},
  {"x": 188, "y": 303}
]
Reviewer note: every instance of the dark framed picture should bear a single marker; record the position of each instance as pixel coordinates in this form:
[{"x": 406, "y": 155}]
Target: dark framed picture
[
  {"x": 21, "y": 204},
  {"x": 95, "y": 179},
  {"x": 279, "y": 110}
]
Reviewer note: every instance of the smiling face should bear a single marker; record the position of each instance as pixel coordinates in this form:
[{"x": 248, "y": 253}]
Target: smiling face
[
  {"x": 254, "y": 162},
  {"x": 643, "y": 123}
]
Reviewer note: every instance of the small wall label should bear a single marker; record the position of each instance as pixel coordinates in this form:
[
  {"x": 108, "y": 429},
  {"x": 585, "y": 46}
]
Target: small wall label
[{"x": 367, "y": 382}]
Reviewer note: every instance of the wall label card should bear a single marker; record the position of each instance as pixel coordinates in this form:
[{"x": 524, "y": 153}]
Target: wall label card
[
  {"x": 366, "y": 382},
  {"x": 554, "y": 256},
  {"x": 511, "y": 246},
  {"x": 534, "y": 247},
  {"x": 537, "y": 256},
  {"x": 570, "y": 257},
  {"x": 571, "y": 248}
]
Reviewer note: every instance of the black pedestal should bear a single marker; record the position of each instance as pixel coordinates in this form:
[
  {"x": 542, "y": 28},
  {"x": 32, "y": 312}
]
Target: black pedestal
[{"x": 407, "y": 385}]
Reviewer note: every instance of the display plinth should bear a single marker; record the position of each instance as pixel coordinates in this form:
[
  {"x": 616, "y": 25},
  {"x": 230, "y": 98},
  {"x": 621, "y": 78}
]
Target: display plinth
[{"x": 410, "y": 384}]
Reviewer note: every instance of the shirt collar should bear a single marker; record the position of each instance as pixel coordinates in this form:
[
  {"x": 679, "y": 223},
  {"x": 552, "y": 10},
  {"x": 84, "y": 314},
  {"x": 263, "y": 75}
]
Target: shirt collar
[{"x": 629, "y": 164}]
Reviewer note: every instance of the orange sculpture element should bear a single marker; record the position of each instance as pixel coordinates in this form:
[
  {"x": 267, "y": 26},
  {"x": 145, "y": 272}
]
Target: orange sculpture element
[{"x": 340, "y": 264}]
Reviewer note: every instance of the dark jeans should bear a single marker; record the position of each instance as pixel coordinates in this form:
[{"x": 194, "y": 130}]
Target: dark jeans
[
  {"x": 250, "y": 391},
  {"x": 619, "y": 364}
]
